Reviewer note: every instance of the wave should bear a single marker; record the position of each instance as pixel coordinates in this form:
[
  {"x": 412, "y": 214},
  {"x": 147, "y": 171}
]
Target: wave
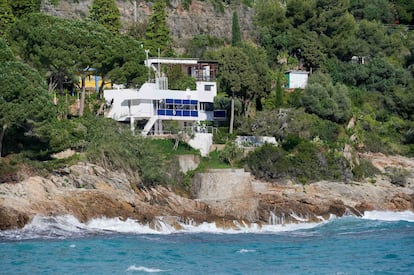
[
  {"x": 246, "y": 250},
  {"x": 68, "y": 226},
  {"x": 390, "y": 216},
  {"x": 144, "y": 269}
]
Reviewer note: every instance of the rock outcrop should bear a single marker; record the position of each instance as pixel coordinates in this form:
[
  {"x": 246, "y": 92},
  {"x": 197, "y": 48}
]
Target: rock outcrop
[
  {"x": 201, "y": 17},
  {"x": 88, "y": 191}
]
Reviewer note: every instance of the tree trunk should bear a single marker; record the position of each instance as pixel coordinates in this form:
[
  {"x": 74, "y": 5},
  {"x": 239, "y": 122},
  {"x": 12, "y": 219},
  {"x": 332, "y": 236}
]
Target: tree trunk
[
  {"x": 101, "y": 109},
  {"x": 82, "y": 99},
  {"x": 231, "y": 114},
  {"x": 101, "y": 88},
  {"x": 248, "y": 107},
  {"x": 259, "y": 106},
  {"x": 3, "y": 131}
]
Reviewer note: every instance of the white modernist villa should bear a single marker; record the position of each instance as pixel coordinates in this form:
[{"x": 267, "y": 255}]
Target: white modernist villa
[{"x": 154, "y": 102}]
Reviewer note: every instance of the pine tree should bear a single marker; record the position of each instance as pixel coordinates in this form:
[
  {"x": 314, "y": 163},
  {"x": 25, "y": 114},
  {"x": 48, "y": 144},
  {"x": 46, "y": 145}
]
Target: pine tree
[
  {"x": 158, "y": 33},
  {"x": 6, "y": 17},
  {"x": 106, "y": 13},
  {"x": 22, "y": 7},
  {"x": 236, "y": 39}
]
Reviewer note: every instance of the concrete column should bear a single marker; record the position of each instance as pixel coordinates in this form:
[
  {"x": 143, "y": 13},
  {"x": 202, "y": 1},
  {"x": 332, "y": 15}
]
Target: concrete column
[{"x": 132, "y": 122}]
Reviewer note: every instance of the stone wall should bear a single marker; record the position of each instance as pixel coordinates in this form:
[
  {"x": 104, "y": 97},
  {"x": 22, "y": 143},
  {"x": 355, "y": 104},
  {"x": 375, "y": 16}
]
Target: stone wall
[{"x": 222, "y": 184}]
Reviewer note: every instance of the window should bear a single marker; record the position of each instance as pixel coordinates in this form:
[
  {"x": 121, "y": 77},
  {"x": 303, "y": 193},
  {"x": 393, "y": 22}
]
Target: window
[{"x": 208, "y": 87}]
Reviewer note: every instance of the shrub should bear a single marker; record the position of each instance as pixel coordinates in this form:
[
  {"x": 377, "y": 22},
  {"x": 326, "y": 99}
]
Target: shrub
[
  {"x": 398, "y": 175},
  {"x": 306, "y": 162},
  {"x": 365, "y": 169},
  {"x": 231, "y": 153},
  {"x": 222, "y": 136},
  {"x": 268, "y": 162}
]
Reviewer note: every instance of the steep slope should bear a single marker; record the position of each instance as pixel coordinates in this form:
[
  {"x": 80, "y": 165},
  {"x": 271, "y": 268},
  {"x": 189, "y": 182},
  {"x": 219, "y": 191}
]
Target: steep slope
[{"x": 200, "y": 18}]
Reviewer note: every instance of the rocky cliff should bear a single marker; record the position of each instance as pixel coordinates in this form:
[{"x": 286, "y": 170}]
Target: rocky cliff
[
  {"x": 201, "y": 17},
  {"x": 88, "y": 191}
]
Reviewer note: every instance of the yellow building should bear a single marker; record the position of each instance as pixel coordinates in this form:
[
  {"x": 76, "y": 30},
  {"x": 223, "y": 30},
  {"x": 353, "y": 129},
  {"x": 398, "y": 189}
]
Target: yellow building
[{"x": 93, "y": 82}]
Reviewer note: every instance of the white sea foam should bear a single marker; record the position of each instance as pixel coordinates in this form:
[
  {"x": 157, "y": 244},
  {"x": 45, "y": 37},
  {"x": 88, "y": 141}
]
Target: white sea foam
[
  {"x": 69, "y": 226},
  {"x": 72, "y": 245},
  {"x": 144, "y": 269},
  {"x": 120, "y": 226},
  {"x": 299, "y": 218},
  {"x": 246, "y": 250},
  {"x": 389, "y": 216}
]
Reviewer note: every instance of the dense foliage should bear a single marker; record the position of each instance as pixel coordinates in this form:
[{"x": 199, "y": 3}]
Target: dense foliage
[
  {"x": 107, "y": 14},
  {"x": 22, "y": 89},
  {"x": 360, "y": 55}
]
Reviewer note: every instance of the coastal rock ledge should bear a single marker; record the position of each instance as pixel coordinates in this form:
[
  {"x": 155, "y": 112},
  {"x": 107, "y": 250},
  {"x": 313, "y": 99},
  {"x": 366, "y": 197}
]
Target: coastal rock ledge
[{"x": 87, "y": 191}]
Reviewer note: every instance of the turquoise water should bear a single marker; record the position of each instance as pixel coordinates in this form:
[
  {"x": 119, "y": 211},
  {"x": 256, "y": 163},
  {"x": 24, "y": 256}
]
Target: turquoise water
[{"x": 379, "y": 243}]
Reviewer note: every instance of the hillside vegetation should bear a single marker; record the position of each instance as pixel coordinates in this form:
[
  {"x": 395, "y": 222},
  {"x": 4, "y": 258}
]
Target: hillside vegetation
[{"x": 359, "y": 97}]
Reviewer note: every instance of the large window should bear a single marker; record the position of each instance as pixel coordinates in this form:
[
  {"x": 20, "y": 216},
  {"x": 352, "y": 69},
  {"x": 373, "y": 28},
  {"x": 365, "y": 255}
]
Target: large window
[{"x": 178, "y": 107}]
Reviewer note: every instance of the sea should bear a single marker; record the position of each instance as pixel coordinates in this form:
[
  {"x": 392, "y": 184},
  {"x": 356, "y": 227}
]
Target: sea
[{"x": 377, "y": 243}]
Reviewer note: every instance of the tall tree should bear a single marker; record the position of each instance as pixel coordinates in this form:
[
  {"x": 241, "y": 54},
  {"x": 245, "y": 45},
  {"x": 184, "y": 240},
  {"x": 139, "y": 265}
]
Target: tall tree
[
  {"x": 69, "y": 49},
  {"x": 235, "y": 74},
  {"x": 6, "y": 16},
  {"x": 158, "y": 33},
  {"x": 22, "y": 89},
  {"x": 260, "y": 80},
  {"x": 106, "y": 13},
  {"x": 236, "y": 38}
]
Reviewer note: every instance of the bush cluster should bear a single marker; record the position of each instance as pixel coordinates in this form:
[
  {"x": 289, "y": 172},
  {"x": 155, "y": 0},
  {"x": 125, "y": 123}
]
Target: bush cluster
[{"x": 303, "y": 162}]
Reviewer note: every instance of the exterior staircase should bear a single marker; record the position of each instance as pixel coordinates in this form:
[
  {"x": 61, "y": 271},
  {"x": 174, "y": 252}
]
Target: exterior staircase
[{"x": 149, "y": 125}]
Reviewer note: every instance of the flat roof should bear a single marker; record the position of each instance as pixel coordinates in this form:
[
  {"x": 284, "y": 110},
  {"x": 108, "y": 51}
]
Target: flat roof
[
  {"x": 173, "y": 60},
  {"x": 297, "y": 72}
]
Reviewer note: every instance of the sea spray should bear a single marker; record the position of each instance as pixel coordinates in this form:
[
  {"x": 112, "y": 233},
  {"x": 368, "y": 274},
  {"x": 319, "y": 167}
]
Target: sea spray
[
  {"x": 340, "y": 245},
  {"x": 389, "y": 216},
  {"x": 68, "y": 226}
]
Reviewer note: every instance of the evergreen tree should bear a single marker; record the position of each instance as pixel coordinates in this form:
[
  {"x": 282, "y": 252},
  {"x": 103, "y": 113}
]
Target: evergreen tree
[
  {"x": 63, "y": 50},
  {"x": 24, "y": 100},
  {"x": 236, "y": 39},
  {"x": 22, "y": 7},
  {"x": 237, "y": 77},
  {"x": 158, "y": 33},
  {"x": 6, "y": 17},
  {"x": 106, "y": 13}
]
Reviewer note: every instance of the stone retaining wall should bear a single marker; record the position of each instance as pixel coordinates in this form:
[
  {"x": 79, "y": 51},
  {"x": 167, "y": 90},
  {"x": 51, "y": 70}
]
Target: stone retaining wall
[{"x": 222, "y": 184}]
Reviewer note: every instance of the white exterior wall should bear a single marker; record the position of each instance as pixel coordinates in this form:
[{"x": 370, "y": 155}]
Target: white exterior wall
[
  {"x": 202, "y": 142},
  {"x": 298, "y": 80},
  {"x": 139, "y": 104},
  {"x": 132, "y": 105}
]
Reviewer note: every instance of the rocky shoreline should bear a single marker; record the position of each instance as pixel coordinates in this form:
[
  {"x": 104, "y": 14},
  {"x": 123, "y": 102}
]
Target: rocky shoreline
[{"x": 87, "y": 191}]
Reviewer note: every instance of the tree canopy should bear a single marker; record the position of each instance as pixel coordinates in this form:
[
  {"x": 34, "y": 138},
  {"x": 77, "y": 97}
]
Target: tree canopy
[
  {"x": 22, "y": 89},
  {"x": 236, "y": 38},
  {"x": 106, "y": 13},
  {"x": 158, "y": 33},
  {"x": 6, "y": 16},
  {"x": 64, "y": 49}
]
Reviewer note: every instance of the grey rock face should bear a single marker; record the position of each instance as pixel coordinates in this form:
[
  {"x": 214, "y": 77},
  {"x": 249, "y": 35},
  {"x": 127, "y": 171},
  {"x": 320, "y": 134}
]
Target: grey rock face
[{"x": 200, "y": 18}]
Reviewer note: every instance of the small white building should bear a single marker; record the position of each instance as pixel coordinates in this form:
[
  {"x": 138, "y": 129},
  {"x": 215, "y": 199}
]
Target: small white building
[
  {"x": 296, "y": 79},
  {"x": 154, "y": 102}
]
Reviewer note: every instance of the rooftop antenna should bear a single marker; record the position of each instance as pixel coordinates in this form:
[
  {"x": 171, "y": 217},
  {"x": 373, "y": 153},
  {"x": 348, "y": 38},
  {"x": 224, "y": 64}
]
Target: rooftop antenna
[
  {"x": 148, "y": 65},
  {"x": 159, "y": 64}
]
